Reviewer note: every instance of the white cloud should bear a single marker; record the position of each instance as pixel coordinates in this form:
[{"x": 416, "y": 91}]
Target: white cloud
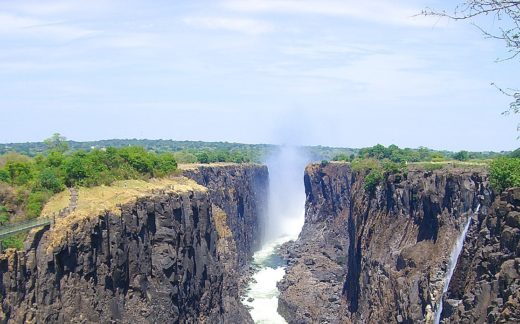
[
  {"x": 378, "y": 11},
  {"x": 11, "y": 25},
  {"x": 248, "y": 26}
]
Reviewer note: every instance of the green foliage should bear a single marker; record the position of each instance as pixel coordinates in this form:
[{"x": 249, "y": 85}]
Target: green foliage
[
  {"x": 342, "y": 157},
  {"x": 20, "y": 173},
  {"x": 461, "y": 156},
  {"x": 432, "y": 166},
  {"x": 392, "y": 167},
  {"x": 50, "y": 180},
  {"x": 4, "y": 215},
  {"x": 35, "y": 203},
  {"x": 504, "y": 173},
  {"x": 365, "y": 164},
  {"x": 14, "y": 241},
  {"x": 4, "y": 175},
  {"x": 56, "y": 143},
  {"x": 185, "y": 157},
  {"x": 372, "y": 179},
  {"x": 515, "y": 153},
  {"x": 324, "y": 163}
]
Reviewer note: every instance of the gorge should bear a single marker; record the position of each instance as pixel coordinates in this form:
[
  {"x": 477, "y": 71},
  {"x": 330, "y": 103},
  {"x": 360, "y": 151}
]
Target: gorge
[{"x": 181, "y": 254}]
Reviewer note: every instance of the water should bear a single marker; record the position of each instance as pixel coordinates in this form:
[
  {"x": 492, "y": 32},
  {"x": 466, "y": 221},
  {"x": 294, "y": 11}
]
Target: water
[
  {"x": 284, "y": 222},
  {"x": 262, "y": 289},
  {"x": 452, "y": 263}
]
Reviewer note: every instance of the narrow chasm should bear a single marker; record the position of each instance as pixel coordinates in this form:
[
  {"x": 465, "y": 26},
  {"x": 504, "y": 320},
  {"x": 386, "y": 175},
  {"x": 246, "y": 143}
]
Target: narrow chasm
[{"x": 284, "y": 221}]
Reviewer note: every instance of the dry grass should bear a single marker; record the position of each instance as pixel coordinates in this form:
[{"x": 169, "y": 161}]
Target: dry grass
[
  {"x": 194, "y": 166},
  {"x": 220, "y": 218},
  {"x": 56, "y": 203},
  {"x": 94, "y": 201}
]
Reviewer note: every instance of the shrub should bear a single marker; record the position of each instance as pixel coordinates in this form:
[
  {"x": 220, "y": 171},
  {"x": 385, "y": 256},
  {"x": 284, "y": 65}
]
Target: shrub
[
  {"x": 324, "y": 163},
  {"x": 14, "y": 241},
  {"x": 35, "y": 203},
  {"x": 49, "y": 180},
  {"x": 504, "y": 173},
  {"x": 372, "y": 179},
  {"x": 393, "y": 167},
  {"x": 365, "y": 164},
  {"x": 4, "y": 215}
]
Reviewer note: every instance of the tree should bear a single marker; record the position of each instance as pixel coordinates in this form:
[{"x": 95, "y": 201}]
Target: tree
[
  {"x": 461, "y": 156},
  {"x": 57, "y": 143},
  {"x": 506, "y": 14}
]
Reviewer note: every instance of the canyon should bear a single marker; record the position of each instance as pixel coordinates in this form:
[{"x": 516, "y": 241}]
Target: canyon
[{"x": 183, "y": 255}]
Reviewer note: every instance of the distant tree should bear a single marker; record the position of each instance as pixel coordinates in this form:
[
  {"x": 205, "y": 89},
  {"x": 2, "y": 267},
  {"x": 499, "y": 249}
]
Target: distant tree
[
  {"x": 56, "y": 143},
  {"x": 515, "y": 153},
  {"x": 461, "y": 156}
]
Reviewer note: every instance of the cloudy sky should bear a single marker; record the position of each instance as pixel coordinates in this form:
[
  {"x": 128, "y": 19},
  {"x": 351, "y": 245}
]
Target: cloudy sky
[{"x": 330, "y": 72}]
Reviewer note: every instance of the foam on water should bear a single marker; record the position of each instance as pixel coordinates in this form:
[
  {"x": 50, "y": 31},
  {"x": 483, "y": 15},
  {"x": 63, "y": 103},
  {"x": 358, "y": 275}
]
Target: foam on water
[{"x": 262, "y": 289}]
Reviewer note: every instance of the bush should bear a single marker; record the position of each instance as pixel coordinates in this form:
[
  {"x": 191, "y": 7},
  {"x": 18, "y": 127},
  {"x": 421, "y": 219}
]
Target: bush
[
  {"x": 504, "y": 173},
  {"x": 365, "y": 164},
  {"x": 393, "y": 167},
  {"x": 35, "y": 203},
  {"x": 373, "y": 178},
  {"x": 49, "y": 180},
  {"x": 14, "y": 241},
  {"x": 4, "y": 215}
]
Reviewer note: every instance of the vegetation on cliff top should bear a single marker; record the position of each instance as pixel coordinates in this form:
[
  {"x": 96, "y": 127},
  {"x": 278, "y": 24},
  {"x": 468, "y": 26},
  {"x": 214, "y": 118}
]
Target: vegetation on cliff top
[
  {"x": 504, "y": 172},
  {"x": 26, "y": 183}
]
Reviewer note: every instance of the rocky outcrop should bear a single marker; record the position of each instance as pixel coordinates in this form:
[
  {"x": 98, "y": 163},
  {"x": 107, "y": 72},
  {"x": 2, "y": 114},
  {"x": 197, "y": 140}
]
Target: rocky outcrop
[
  {"x": 241, "y": 192},
  {"x": 163, "y": 258},
  {"x": 486, "y": 284},
  {"x": 381, "y": 256}
]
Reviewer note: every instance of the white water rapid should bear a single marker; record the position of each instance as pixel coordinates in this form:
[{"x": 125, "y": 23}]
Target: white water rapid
[
  {"x": 452, "y": 263},
  {"x": 284, "y": 222}
]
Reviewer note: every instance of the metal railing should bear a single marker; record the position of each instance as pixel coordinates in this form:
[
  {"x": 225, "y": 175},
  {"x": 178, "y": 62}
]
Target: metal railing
[{"x": 11, "y": 229}]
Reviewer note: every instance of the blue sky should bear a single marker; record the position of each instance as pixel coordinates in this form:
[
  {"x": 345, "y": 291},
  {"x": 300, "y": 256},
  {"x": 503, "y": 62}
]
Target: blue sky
[{"x": 329, "y": 72}]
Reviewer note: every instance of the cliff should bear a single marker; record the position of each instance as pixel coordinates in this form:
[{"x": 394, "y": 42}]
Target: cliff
[
  {"x": 377, "y": 257},
  {"x": 162, "y": 257},
  {"x": 486, "y": 284}
]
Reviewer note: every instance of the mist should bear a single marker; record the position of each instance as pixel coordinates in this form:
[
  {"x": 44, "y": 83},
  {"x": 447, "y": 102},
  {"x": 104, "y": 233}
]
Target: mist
[{"x": 286, "y": 209}]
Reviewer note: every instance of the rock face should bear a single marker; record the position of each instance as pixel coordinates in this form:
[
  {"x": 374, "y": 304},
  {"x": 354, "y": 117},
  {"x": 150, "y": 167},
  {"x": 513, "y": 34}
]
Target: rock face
[
  {"x": 165, "y": 258},
  {"x": 377, "y": 257},
  {"x": 240, "y": 192},
  {"x": 486, "y": 283}
]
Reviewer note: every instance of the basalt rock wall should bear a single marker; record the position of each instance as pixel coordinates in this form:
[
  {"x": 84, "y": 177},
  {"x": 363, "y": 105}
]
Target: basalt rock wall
[
  {"x": 377, "y": 256},
  {"x": 165, "y": 258}
]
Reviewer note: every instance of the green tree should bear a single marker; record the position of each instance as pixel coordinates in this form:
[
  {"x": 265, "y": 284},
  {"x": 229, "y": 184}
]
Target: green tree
[
  {"x": 35, "y": 203},
  {"x": 504, "y": 173},
  {"x": 461, "y": 156},
  {"x": 57, "y": 143},
  {"x": 49, "y": 180}
]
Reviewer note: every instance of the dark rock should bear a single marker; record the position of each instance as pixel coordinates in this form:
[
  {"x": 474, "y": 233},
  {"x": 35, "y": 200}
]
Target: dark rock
[{"x": 161, "y": 260}]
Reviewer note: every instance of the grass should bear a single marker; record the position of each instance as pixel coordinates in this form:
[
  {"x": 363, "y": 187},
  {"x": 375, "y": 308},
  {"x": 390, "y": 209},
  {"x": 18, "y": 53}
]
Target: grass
[
  {"x": 195, "y": 166},
  {"x": 94, "y": 201},
  {"x": 56, "y": 203}
]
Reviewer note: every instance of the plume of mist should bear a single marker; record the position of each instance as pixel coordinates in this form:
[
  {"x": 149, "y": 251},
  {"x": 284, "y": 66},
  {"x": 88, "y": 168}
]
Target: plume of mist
[{"x": 286, "y": 210}]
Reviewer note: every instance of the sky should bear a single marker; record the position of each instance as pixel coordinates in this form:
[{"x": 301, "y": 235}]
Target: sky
[{"x": 308, "y": 72}]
